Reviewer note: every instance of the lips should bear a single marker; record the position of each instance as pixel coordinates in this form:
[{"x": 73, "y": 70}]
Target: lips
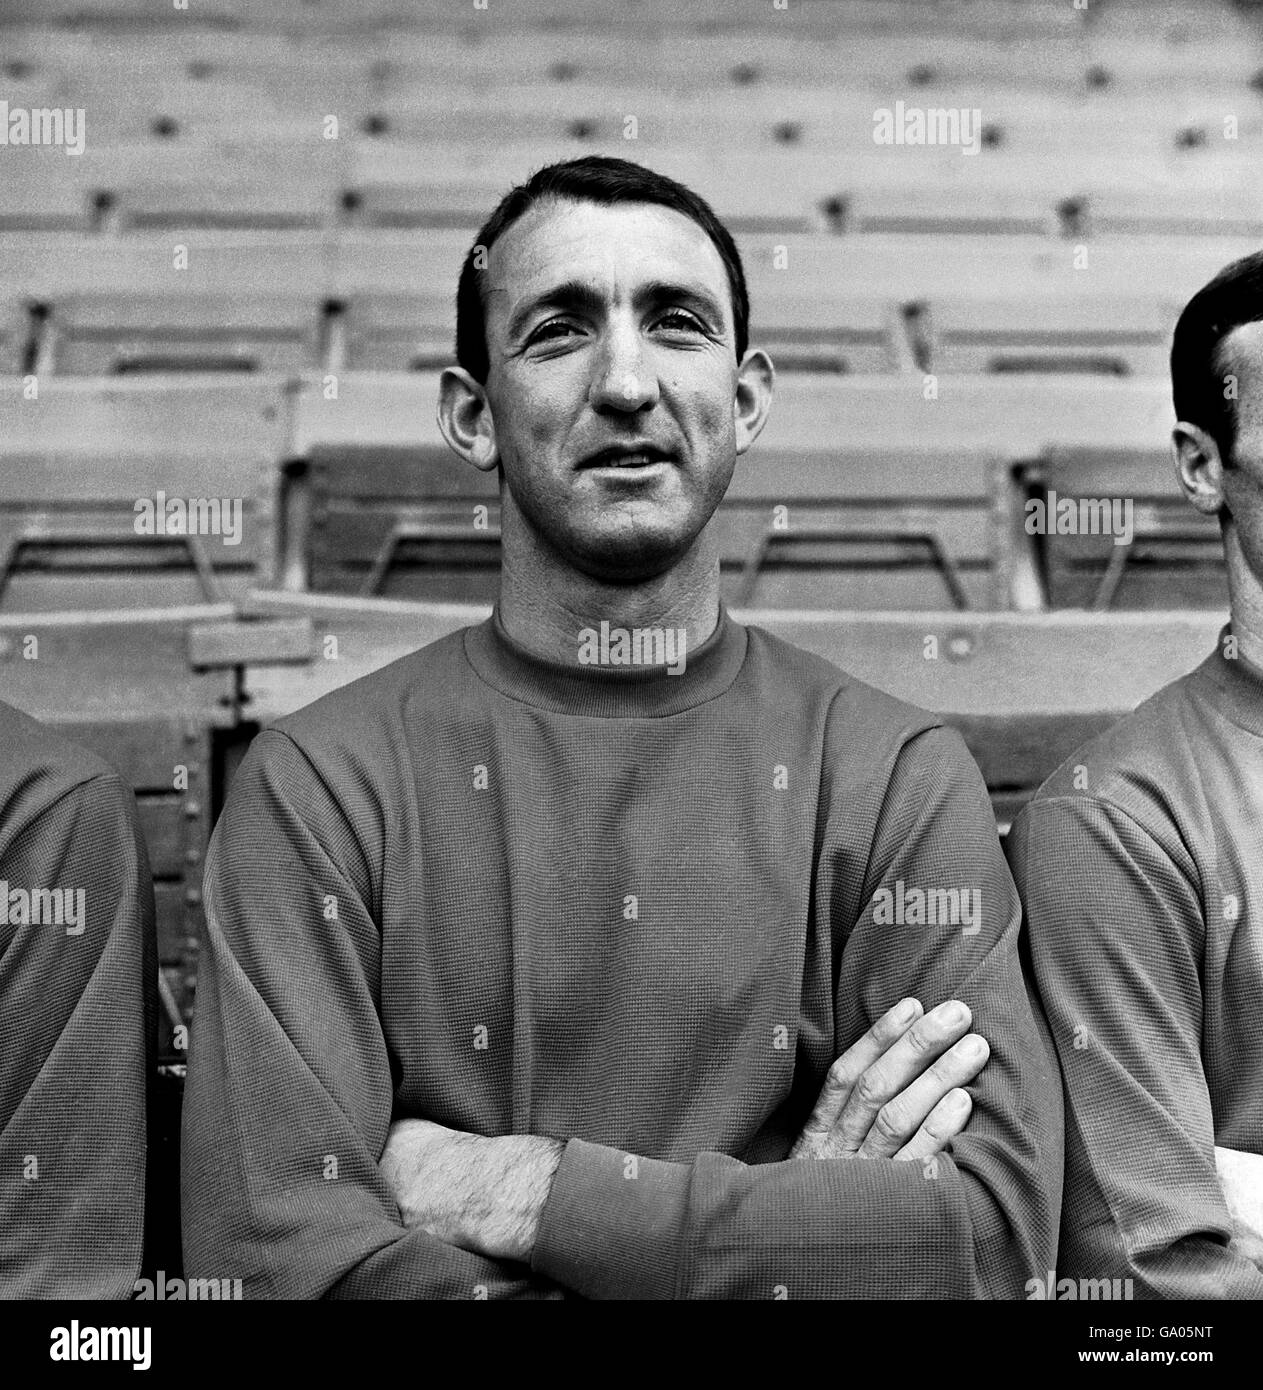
[{"x": 627, "y": 456}]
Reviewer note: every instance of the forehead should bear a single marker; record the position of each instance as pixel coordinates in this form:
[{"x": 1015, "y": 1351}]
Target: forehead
[{"x": 613, "y": 248}]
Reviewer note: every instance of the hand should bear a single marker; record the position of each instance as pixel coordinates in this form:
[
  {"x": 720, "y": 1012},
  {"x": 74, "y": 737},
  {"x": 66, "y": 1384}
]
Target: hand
[
  {"x": 480, "y": 1194},
  {"x": 1241, "y": 1177},
  {"x": 896, "y": 1093}
]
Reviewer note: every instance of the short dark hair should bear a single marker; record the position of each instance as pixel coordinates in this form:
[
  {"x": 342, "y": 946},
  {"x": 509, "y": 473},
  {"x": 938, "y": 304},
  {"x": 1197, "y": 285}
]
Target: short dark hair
[
  {"x": 591, "y": 179},
  {"x": 1199, "y": 362}
]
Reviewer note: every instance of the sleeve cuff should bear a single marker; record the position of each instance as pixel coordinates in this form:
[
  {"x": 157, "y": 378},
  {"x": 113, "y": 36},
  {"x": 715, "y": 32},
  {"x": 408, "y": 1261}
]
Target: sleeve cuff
[{"x": 612, "y": 1225}]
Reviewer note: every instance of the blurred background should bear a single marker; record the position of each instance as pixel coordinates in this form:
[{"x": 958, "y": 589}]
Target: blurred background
[{"x": 227, "y": 275}]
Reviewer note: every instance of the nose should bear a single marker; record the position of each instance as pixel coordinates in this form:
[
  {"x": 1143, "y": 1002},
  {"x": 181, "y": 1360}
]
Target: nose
[{"x": 622, "y": 379}]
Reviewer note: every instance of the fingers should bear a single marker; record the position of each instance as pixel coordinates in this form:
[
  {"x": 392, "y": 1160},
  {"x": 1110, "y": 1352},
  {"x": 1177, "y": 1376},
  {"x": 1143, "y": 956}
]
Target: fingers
[
  {"x": 847, "y": 1070},
  {"x": 898, "y": 1120},
  {"x": 872, "y": 1095},
  {"x": 939, "y": 1127}
]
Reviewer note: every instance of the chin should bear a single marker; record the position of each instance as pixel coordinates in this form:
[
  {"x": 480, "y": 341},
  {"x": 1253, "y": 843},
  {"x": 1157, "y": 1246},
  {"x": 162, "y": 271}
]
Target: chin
[{"x": 627, "y": 559}]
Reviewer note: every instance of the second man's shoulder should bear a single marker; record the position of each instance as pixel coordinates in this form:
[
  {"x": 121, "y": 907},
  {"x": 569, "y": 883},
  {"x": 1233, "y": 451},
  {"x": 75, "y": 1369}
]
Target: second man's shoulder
[
  {"x": 40, "y": 766},
  {"x": 858, "y": 711}
]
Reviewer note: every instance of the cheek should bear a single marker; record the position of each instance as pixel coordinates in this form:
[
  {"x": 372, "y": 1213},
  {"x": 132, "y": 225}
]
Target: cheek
[
  {"x": 1244, "y": 494},
  {"x": 536, "y": 413},
  {"x": 707, "y": 412}
]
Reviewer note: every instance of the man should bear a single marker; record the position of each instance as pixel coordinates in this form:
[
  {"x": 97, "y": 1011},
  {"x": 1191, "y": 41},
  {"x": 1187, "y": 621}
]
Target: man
[
  {"x": 1141, "y": 867},
  {"x": 77, "y": 1019},
  {"x": 594, "y": 935}
]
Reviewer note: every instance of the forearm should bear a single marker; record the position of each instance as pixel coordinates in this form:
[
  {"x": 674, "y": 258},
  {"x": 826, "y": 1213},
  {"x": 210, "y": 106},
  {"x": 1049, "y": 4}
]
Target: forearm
[
  {"x": 1145, "y": 1204},
  {"x": 484, "y": 1195},
  {"x": 619, "y": 1226},
  {"x": 607, "y": 1223},
  {"x": 417, "y": 1265}
]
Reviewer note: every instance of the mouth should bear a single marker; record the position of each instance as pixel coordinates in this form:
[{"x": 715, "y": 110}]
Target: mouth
[{"x": 628, "y": 457}]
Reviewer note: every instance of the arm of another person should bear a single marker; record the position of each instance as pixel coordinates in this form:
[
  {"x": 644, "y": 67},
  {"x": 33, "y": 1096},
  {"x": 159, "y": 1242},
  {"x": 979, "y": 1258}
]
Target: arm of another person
[
  {"x": 1241, "y": 1178},
  {"x": 290, "y": 1091},
  {"x": 77, "y": 1013},
  {"x": 979, "y": 1220},
  {"x": 1116, "y": 934}
]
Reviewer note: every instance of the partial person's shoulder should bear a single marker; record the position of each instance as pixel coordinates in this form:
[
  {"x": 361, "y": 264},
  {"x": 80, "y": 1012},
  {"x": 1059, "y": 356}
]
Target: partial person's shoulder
[
  {"x": 363, "y": 713},
  {"x": 1145, "y": 772},
  {"x": 860, "y": 711},
  {"x": 39, "y": 766},
  {"x": 1134, "y": 760}
]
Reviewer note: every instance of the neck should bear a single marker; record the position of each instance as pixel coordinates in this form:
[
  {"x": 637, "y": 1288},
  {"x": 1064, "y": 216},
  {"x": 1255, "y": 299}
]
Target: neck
[
  {"x": 1245, "y": 594},
  {"x": 546, "y": 603}
]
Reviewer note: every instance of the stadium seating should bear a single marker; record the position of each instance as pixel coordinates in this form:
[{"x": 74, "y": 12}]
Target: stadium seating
[
  {"x": 992, "y": 675},
  {"x": 35, "y": 202},
  {"x": 15, "y": 330},
  {"x": 117, "y": 335},
  {"x": 1168, "y": 548},
  {"x": 1044, "y": 334},
  {"x": 381, "y": 483},
  {"x": 79, "y": 462}
]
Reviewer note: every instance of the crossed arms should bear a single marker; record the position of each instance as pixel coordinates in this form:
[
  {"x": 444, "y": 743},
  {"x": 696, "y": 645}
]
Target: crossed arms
[
  {"x": 897, "y": 1094},
  {"x": 293, "y": 1075}
]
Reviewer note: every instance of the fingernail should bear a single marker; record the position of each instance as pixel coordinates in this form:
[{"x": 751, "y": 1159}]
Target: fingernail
[
  {"x": 906, "y": 1012},
  {"x": 973, "y": 1046},
  {"x": 956, "y": 1013}
]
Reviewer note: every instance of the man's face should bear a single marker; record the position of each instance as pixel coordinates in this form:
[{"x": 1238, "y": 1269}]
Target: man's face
[
  {"x": 612, "y": 381},
  {"x": 1243, "y": 483}
]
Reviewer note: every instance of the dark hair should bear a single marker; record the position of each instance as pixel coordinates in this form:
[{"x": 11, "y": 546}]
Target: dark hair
[
  {"x": 1198, "y": 360},
  {"x": 592, "y": 179}
]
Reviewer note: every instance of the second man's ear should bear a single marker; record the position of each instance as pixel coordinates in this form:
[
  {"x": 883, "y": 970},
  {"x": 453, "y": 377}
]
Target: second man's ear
[
  {"x": 1199, "y": 467},
  {"x": 464, "y": 416},
  {"x": 755, "y": 377}
]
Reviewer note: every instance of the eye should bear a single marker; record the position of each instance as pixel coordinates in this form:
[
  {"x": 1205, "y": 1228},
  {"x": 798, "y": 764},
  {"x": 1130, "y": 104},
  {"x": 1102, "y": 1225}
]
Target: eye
[
  {"x": 553, "y": 329},
  {"x": 680, "y": 320}
]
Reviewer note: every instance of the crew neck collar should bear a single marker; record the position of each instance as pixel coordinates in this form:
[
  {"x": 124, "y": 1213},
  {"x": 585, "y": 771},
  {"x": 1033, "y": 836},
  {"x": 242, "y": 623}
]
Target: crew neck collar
[{"x": 606, "y": 691}]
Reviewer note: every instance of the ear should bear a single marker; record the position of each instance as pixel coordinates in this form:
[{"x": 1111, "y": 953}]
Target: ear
[
  {"x": 465, "y": 418},
  {"x": 753, "y": 400},
  {"x": 1199, "y": 468}
]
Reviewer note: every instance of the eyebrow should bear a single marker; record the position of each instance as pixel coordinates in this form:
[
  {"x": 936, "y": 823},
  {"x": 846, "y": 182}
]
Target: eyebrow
[{"x": 576, "y": 294}]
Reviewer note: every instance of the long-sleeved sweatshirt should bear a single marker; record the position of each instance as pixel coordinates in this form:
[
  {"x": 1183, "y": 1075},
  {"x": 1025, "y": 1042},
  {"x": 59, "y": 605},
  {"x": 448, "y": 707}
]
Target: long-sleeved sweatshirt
[
  {"x": 1141, "y": 864},
  {"x": 639, "y": 912},
  {"x": 78, "y": 972}
]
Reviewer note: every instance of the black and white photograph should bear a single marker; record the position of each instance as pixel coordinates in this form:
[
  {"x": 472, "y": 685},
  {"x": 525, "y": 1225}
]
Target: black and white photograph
[{"x": 631, "y": 669}]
